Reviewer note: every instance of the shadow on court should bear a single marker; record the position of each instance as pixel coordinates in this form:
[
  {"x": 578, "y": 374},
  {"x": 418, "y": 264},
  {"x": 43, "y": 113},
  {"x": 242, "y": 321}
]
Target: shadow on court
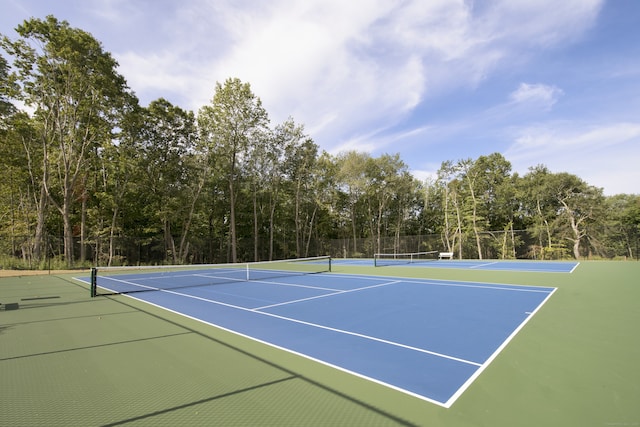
[{"x": 73, "y": 360}]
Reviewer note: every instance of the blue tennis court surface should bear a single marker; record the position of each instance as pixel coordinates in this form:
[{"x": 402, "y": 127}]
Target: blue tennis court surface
[
  {"x": 520, "y": 265},
  {"x": 426, "y": 338}
]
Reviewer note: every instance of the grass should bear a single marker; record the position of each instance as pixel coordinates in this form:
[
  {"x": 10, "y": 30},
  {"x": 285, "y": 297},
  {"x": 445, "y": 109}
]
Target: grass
[{"x": 73, "y": 360}]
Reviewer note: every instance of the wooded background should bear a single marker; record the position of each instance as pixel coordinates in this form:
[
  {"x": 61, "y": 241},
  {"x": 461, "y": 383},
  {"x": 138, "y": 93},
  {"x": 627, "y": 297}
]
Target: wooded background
[{"x": 90, "y": 177}]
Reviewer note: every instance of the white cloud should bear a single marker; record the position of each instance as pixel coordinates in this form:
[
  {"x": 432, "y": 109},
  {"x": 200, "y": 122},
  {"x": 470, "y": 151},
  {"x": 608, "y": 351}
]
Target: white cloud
[
  {"x": 425, "y": 175},
  {"x": 350, "y": 72},
  {"x": 603, "y": 155},
  {"x": 541, "y": 95},
  {"x": 354, "y": 73},
  {"x": 370, "y": 66},
  {"x": 313, "y": 61},
  {"x": 540, "y": 23},
  {"x": 360, "y": 65}
]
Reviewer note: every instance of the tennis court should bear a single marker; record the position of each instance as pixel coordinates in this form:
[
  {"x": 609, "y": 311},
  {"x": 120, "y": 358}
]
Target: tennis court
[
  {"x": 426, "y": 338},
  {"x": 488, "y": 265},
  {"x": 69, "y": 359}
]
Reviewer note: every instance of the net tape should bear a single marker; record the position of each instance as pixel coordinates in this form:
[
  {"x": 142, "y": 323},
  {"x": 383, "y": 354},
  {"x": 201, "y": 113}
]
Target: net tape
[{"x": 384, "y": 259}]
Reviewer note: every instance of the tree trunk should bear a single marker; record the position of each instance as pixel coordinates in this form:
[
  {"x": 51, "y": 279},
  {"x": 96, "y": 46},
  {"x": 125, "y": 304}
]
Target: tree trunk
[
  {"x": 83, "y": 224},
  {"x": 474, "y": 222},
  {"x": 308, "y": 244},
  {"x": 40, "y": 223},
  {"x": 67, "y": 227},
  {"x": 184, "y": 244},
  {"x": 112, "y": 233},
  {"x": 271, "y": 231},
  {"x": 255, "y": 224},
  {"x": 459, "y": 229},
  {"x": 297, "y": 219},
  {"x": 353, "y": 228},
  {"x": 447, "y": 227}
]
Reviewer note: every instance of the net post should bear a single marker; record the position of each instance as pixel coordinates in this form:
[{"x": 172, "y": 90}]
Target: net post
[
  {"x": 94, "y": 282},
  {"x": 329, "y": 264}
]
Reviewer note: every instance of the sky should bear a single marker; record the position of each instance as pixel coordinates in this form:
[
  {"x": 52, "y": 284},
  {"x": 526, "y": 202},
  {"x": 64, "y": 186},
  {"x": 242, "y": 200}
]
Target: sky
[{"x": 543, "y": 82}]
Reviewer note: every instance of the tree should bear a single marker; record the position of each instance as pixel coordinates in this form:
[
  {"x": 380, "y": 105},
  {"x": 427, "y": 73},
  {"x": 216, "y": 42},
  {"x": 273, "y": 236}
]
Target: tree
[
  {"x": 72, "y": 84},
  {"x": 115, "y": 196},
  {"x": 540, "y": 209},
  {"x": 301, "y": 154},
  {"x": 388, "y": 177},
  {"x": 7, "y": 88},
  {"x": 477, "y": 198},
  {"x": 623, "y": 224},
  {"x": 172, "y": 179},
  {"x": 352, "y": 180},
  {"x": 264, "y": 164},
  {"x": 234, "y": 120},
  {"x": 580, "y": 205},
  {"x": 493, "y": 191},
  {"x": 470, "y": 178},
  {"x": 449, "y": 184},
  {"x": 562, "y": 207}
]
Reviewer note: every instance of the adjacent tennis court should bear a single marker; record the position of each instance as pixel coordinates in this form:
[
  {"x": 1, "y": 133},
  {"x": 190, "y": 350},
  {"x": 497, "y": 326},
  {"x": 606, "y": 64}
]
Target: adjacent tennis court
[
  {"x": 411, "y": 260},
  {"x": 426, "y": 338}
]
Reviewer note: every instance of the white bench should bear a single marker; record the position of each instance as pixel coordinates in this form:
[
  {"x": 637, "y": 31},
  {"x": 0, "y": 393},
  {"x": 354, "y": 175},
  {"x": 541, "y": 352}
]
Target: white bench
[{"x": 445, "y": 255}]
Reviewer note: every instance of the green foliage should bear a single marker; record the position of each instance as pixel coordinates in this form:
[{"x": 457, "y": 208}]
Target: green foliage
[
  {"x": 71, "y": 83},
  {"x": 111, "y": 182}
]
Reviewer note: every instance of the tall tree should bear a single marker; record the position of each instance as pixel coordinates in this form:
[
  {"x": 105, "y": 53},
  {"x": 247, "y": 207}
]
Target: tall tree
[
  {"x": 7, "y": 89},
  {"x": 352, "y": 181},
  {"x": 495, "y": 208},
  {"x": 450, "y": 208},
  {"x": 623, "y": 224},
  {"x": 563, "y": 208},
  {"x": 471, "y": 176},
  {"x": 72, "y": 84},
  {"x": 580, "y": 205},
  {"x": 264, "y": 176},
  {"x": 115, "y": 197},
  {"x": 540, "y": 209},
  {"x": 301, "y": 155},
  {"x": 234, "y": 120},
  {"x": 16, "y": 192},
  {"x": 172, "y": 181},
  {"x": 388, "y": 176}
]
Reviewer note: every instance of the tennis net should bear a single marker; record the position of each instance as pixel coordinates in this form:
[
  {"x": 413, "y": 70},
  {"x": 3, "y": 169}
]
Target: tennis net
[
  {"x": 125, "y": 280},
  {"x": 381, "y": 260}
]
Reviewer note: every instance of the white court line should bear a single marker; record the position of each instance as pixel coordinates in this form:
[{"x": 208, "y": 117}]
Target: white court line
[
  {"x": 450, "y": 401},
  {"x": 306, "y": 356},
  {"x": 483, "y": 265},
  {"x": 458, "y": 283},
  {"x": 293, "y": 285},
  {"x": 337, "y": 292},
  {"x": 315, "y": 325},
  {"x": 487, "y": 362}
]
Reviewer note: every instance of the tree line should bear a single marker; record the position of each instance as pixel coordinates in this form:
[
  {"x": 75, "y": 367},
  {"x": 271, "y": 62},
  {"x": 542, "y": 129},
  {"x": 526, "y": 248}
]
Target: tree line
[{"x": 109, "y": 179}]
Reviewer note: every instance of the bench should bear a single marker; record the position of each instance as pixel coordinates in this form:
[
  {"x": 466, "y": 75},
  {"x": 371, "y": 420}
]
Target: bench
[{"x": 445, "y": 255}]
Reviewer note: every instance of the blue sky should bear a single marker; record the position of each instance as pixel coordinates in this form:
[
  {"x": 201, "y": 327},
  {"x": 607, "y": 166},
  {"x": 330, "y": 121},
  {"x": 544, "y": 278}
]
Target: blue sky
[{"x": 540, "y": 81}]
